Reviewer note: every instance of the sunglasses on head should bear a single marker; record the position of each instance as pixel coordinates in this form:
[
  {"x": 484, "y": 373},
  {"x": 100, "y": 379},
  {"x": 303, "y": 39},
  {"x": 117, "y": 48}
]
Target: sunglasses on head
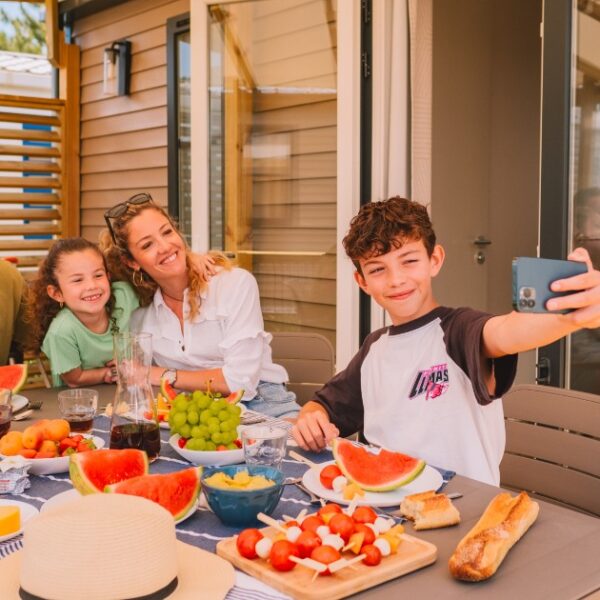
[{"x": 118, "y": 210}]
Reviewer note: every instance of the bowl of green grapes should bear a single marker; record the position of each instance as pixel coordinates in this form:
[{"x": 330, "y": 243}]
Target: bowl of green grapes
[{"x": 205, "y": 428}]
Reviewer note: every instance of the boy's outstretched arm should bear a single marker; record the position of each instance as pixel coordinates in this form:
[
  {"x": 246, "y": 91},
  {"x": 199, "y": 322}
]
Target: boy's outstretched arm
[
  {"x": 313, "y": 429},
  {"x": 516, "y": 332}
]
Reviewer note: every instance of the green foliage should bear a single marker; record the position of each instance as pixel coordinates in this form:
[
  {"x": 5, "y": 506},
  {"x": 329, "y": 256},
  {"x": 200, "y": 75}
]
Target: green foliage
[{"x": 28, "y": 31}]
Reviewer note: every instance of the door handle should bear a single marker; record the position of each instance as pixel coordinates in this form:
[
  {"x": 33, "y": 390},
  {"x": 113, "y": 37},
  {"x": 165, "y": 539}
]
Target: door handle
[{"x": 481, "y": 240}]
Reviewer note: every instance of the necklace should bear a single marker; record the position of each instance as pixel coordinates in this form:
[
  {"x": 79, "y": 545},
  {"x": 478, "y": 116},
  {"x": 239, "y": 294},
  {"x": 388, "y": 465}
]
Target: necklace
[{"x": 172, "y": 297}]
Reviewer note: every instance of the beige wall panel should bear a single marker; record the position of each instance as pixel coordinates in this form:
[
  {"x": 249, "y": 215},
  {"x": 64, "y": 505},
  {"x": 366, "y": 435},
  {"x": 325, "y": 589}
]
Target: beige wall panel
[
  {"x": 294, "y": 191},
  {"x": 144, "y": 80},
  {"x": 301, "y": 215},
  {"x": 321, "y": 114},
  {"x": 299, "y": 67},
  {"x": 272, "y": 101},
  {"x": 292, "y": 44},
  {"x": 299, "y": 240},
  {"x": 303, "y": 166},
  {"x": 153, "y": 38},
  {"x": 328, "y": 82},
  {"x": 274, "y": 326},
  {"x": 134, "y": 140},
  {"x": 303, "y": 141},
  {"x": 298, "y": 313},
  {"x": 125, "y": 161},
  {"x": 120, "y": 105},
  {"x": 142, "y": 61},
  {"x": 106, "y": 17},
  {"x": 322, "y": 267},
  {"x": 106, "y": 198},
  {"x": 300, "y": 289},
  {"x": 122, "y": 28},
  {"x": 140, "y": 179},
  {"x": 91, "y": 233},
  {"x": 262, "y": 9},
  {"x": 304, "y": 16},
  {"x": 155, "y": 117}
]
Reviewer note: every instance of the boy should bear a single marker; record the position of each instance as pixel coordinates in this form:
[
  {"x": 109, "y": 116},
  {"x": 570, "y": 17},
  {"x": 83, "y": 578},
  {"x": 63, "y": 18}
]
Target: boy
[{"x": 427, "y": 385}]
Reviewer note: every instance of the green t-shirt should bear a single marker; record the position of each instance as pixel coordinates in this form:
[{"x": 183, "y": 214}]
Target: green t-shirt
[{"x": 70, "y": 344}]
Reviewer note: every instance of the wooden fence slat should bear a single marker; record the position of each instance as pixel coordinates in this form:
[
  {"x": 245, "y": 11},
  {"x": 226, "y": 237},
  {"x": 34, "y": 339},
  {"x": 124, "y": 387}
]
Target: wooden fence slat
[
  {"x": 31, "y": 102},
  {"x": 29, "y": 118},
  {"x": 30, "y": 229},
  {"x": 29, "y": 198},
  {"x": 32, "y": 151},
  {"x": 30, "y": 182},
  {"x": 10, "y": 245},
  {"x": 29, "y": 214},
  {"x": 31, "y": 135},
  {"x": 28, "y": 166}
]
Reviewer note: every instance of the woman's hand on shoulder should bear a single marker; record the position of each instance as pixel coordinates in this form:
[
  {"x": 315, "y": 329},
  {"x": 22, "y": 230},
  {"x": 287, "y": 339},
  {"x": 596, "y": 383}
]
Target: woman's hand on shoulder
[{"x": 205, "y": 264}]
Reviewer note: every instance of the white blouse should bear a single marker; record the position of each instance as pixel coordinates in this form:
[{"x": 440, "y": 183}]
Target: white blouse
[{"x": 228, "y": 333}]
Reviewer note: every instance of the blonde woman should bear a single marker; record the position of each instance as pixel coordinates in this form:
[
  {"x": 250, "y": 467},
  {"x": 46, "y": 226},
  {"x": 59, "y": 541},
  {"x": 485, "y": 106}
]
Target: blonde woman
[{"x": 202, "y": 331}]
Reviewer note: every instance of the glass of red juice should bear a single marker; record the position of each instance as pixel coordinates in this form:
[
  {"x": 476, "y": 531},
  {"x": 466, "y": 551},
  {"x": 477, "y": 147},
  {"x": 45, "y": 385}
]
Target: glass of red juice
[
  {"x": 78, "y": 407},
  {"x": 5, "y": 417}
]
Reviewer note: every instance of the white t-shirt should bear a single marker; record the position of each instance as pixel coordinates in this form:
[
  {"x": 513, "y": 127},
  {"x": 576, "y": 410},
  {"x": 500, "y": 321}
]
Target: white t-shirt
[
  {"x": 228, "y": 333},
  {"x": 419, "y": 389}
]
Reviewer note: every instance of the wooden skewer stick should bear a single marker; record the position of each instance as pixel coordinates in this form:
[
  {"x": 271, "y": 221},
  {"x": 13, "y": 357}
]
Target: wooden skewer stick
[
  {"x": 342, "y": 563},
  {"x": 315, "y": 575},
  {"x": 303, "y": 459},
  {"x": 352, "y": 506},
  {"x": 309, "y": 563},
  {"x": 272, "y": 522}
]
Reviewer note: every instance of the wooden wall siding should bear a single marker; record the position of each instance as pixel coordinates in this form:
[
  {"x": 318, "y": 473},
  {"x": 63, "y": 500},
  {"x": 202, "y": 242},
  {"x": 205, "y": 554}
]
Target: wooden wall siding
[
  {"x": 124, "y": 139},
  {"x": 293, "y": 142}
]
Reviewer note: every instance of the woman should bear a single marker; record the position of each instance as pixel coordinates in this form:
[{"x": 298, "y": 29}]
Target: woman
[{"x": 204, "y": 334}]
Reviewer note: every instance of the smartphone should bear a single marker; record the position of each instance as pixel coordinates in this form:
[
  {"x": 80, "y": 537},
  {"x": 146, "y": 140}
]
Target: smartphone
[{"x": 532, "y": 278}]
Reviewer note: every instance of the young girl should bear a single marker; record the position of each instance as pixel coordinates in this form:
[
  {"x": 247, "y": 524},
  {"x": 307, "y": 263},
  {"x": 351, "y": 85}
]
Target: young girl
[{"x": 74, "y": 311}]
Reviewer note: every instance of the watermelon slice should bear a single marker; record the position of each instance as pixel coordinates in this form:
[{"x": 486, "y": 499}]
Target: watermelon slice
[
  {"x": 375, "y": 472},
  {"x": 177, "y": 492},
  {"x": 13, "y": 377},
  {"x": 91, "y": 472},
  {"x": 166, "y": 389},
  {"x": 235, "y": 397}
]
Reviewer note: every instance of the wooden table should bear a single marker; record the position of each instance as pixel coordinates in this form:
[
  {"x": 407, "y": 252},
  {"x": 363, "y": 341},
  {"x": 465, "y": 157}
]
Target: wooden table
[{"x": 559, "y": 558}]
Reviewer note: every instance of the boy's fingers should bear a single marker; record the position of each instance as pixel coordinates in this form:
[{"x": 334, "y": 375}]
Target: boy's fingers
[
  {"x": 309, "y": 433},
  {"x": 584, "y": 281}
]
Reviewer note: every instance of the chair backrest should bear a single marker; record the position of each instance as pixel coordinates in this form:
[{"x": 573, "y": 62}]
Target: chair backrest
[
  {"x": 308, "y": 358},
  {"x": 553, "y": 445}
]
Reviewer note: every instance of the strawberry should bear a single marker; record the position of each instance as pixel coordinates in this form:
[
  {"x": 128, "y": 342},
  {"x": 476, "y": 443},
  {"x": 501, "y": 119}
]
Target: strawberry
[
  {"x": 66, "y": 443},
  {"x": 238, "y": 443},
  {"x": 76, "y": 438},
  {"x": 181, "y": 442}
]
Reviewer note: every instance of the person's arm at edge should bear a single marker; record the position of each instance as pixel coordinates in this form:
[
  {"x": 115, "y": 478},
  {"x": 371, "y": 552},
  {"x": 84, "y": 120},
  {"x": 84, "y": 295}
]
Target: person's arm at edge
[
  {"x": 191, "y": 381},
  {"x": 78, "y": 376},
  {"x": 313, "y": 429},
  {"x": 517, "y": 332}
]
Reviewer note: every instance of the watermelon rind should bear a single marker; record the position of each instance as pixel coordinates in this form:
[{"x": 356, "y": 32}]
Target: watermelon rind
[
  {"x": 346, "y": 452},
  {"x": 13, "y": 377},
  {"x": 177, "y": 492},
  {"x": 235, "y": 397},
  {"x": 91, "y": 472}
]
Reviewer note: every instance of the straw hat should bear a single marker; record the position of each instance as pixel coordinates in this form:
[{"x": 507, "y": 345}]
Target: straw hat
[{"x": 110, "y": 547}]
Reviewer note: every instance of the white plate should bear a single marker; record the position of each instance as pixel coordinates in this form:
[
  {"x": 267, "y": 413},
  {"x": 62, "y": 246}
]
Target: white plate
[
  {"x": 27, "y": 511},
  {"x": 18, "y": 402},
  {"x": 60, "y": 464},
  {"x": 207, "y": 458},
  {"x": 429, "y": 479},
  {"x": 73, "y": 494}
]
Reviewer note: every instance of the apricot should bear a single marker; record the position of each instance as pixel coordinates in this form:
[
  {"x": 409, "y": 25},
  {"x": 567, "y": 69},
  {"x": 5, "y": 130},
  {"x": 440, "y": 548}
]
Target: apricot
[
  {"x": 48, "y": 446},
  {"x": 56, "y": 429},
  {"x": 11, "y": 443},
  {"x": 28, "y": 453},
  {"x": 32, "y": 437},
  {"x": 45, "y": 455}
]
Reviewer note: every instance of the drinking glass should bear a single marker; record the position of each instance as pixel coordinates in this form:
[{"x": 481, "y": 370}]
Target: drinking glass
[
  {"x": 5, "y": 410},
  {"x": 134, "y": 420},
  {"x": 264, "y": 445},
  {"x": 78, "y": 407}
]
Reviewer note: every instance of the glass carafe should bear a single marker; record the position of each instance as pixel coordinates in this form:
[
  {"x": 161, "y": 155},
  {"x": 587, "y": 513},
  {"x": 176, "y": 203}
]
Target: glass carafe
[{"x": 134, "y": 421}]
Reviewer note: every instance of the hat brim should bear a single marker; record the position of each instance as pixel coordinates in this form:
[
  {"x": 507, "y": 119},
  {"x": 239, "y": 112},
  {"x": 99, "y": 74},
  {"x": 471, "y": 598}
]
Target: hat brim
[{"x": 201, "y": 574}]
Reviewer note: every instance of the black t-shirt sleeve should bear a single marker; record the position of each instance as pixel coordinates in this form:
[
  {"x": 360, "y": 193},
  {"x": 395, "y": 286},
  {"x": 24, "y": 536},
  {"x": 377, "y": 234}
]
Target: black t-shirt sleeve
[
  {"x": 341, "y": 396},
  {"x": 463, "y": 330}
]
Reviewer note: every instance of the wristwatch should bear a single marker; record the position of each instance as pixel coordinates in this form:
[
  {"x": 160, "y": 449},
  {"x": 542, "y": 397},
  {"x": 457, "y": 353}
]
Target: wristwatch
[{"x": 170, "y": 375}]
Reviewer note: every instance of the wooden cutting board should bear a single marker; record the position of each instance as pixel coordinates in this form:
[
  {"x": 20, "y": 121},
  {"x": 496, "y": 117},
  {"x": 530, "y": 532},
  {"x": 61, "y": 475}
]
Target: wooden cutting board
[{"x": 412, "y": 554}]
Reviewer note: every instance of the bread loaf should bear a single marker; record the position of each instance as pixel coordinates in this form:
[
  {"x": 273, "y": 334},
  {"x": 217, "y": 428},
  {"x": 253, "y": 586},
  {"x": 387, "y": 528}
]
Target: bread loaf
[
  {"x": 429, "y": 510},
  {"x": 479, "y": 554}
]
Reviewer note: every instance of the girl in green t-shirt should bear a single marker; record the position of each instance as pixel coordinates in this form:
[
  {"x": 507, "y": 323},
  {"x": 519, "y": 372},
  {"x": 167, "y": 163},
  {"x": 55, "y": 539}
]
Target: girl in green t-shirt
[{"x": 74, "y": 311}]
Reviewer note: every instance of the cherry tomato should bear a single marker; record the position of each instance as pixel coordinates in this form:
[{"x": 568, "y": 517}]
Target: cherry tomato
[
  {"x": 325, "y": 555},
  {"x": 373, "y": 555},
  {"x": 280, "y": 555},
  {"x": 329, "y": 508},
  {"x": 246, "y": 542},
  {"x": 328, "y": 474},
  {"x": 369, "y": 533},
  {"x": 343, "y": 525},
  {"x": 292, "y": 523},
  {"x": 364, "y": 514},
  {"x": 311, "y": 523},
  {"x": 307, "y": 541}
]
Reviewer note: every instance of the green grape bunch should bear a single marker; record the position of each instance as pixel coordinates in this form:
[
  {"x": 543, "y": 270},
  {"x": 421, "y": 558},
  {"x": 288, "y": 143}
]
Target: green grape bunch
[{"x": 206, "y": 421}]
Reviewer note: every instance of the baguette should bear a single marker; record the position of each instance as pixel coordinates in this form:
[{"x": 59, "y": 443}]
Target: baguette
[
  {"x": 479, "y": 554},
  {"x": 429, "y": 510}
]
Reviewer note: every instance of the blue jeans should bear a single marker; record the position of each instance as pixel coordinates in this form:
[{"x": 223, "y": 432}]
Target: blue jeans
[{"x": 274, "y": 400}]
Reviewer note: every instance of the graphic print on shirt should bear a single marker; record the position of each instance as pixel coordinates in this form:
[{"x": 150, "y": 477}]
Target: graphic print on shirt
[{"x": 432, "y": 382}]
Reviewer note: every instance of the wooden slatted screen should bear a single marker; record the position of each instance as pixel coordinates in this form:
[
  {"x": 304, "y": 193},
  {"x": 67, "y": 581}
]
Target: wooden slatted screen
[{"x": 33, "y": 177}]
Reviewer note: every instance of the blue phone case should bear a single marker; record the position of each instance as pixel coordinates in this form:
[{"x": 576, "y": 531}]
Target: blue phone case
[{"x": 532, "y": 278}]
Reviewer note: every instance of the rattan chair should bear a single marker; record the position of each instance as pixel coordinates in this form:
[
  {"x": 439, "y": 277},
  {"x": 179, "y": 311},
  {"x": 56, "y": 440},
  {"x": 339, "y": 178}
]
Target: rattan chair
[
  {"x": 307, "y": 357},
  {"x": 553, "y": 445}
]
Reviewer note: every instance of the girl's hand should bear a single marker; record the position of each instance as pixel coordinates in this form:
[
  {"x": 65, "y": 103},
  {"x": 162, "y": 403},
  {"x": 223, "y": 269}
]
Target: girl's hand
[
  {"x": 111, "y": 375},
  {"x": 155, "y": 375},
  {"x": 205, "y": 264},
  {"x": 586, "y": 297}
]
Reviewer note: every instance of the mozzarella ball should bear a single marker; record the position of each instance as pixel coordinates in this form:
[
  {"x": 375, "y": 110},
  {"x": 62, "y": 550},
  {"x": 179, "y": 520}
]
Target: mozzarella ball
[
  {"x": 339, "y": 483},
  {"x": 322, "y": 531},
  {"x": 333, "y": 540},
  {"x": 263, "y": 547},
  {"x": 293, "y": 533},
  {"x": 383, "y": 545},
  {"x": 382, "y": 524}
]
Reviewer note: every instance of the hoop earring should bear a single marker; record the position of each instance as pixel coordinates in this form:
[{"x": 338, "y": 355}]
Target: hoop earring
[
  {"x": 61, "y": 304},
  {"x": 141, "y": 278}
]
